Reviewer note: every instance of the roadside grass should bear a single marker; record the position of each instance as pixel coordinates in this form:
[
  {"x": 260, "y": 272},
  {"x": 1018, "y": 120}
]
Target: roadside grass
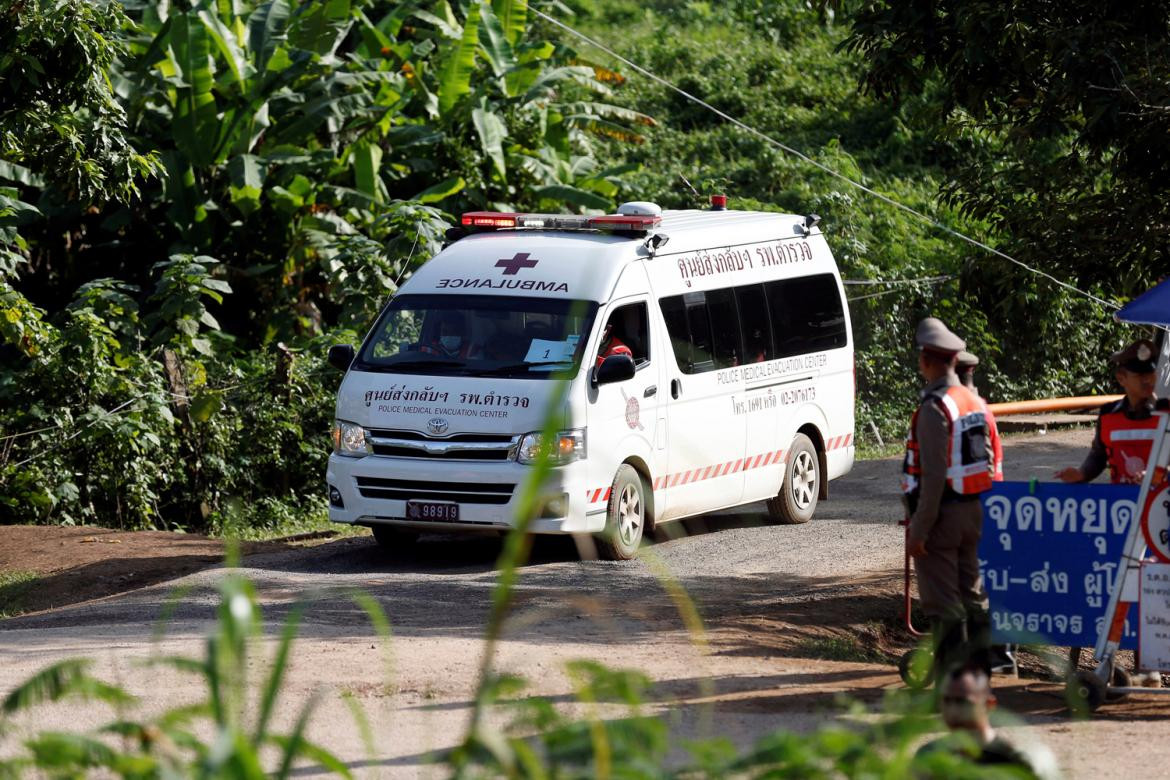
[
  {"x": 14, "y": 584},
  {"x": 871, "y": 450},
  {"x": 272, "y": 518},
  {"x": 840, "y": 648}
]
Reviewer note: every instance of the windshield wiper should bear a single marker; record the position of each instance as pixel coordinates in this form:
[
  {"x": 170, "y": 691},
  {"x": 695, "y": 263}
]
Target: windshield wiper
[
  {"x": 409, "y": 364},
  {"x": 511, "y": 368}
]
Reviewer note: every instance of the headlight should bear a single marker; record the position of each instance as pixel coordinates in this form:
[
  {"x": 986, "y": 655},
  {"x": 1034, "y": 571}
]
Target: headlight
[
  {"x": 350, "y": 439},
  {"x": 565, "y": 447}
]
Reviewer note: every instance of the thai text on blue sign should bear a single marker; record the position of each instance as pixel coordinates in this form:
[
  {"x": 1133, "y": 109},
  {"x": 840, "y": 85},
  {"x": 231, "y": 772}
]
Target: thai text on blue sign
[{"x": 1049, "y": 557}]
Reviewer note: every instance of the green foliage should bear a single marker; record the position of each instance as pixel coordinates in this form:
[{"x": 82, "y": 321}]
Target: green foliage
[
  {"x": 783, "y": 68},
  {"x": 58, "y": 114},
  {"x": 163, "y": 359}
]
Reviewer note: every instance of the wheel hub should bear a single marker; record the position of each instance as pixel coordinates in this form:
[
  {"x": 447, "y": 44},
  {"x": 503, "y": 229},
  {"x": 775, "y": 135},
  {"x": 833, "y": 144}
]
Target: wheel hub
[
  {"x": 804, "y": 480},
  {"x": 629, "y": 515}
]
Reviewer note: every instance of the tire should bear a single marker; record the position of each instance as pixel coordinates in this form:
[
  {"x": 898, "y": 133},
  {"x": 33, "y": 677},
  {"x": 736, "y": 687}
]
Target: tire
[
  {"x": 625, "y": 516},
  {"x": 1085, "y": 692},
  {"x": 392, "y": 538},
  {"x": 1119, "y": 678},
  {"x": 802, "y": 484},
  {"x": 916, "y": 668}
]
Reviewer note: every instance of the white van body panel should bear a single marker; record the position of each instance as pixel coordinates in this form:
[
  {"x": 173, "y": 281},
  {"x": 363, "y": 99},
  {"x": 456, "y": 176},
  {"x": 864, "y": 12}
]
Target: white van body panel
[{"x": 702, "y": 440}]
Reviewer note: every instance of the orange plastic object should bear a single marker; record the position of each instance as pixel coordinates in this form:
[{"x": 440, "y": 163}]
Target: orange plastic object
[{"x": 1052, "y": 405}]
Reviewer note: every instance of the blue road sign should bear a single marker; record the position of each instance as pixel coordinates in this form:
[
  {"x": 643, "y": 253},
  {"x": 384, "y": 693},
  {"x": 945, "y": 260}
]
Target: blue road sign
[{"x": 1049, "y": 557}]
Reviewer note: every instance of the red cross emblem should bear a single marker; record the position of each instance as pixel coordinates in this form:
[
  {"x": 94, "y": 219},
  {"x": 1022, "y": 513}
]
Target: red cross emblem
[{"x": 512, "y": 265}]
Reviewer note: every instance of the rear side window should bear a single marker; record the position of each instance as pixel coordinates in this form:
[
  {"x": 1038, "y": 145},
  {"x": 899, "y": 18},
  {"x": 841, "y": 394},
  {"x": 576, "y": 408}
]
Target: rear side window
[
  {"x": 807, "y": 315},
  {"x": 754, "y": 322}
]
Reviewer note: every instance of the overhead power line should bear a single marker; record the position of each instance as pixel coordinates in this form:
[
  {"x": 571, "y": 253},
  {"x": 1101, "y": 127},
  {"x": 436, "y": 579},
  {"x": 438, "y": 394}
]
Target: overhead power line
[
  {"x": 920, "y": 280},
  {"x": 821, "y": 166}
]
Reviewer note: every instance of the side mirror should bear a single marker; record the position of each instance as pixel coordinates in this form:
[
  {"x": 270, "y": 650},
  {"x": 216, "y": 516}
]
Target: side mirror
[
  {"x": 615, "y": 368},
  {"x": 341, "y": 355}
]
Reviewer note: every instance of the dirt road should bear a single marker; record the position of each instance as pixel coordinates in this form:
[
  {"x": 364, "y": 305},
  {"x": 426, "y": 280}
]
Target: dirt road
[{"x": 775, "y": 602}]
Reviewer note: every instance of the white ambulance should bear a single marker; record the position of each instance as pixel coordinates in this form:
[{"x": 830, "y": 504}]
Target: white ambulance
[{"x": 707, "y": 354}]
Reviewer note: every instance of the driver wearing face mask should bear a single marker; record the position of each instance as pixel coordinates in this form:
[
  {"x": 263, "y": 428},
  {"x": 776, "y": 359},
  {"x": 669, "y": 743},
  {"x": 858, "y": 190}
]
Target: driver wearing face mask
[{"x": 452, "y": 341}]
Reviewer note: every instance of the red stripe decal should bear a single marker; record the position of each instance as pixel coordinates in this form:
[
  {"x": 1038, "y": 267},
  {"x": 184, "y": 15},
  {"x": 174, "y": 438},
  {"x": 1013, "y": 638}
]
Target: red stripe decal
[
  {"x": 608, "y": 490},
  {"x": 767, "y": 458},
  {"x": 848, "y": 439},
  {"x": 707, "y": 473},
  {"x": 674, "y": 481},
  {"x": 779, "y": 454}
]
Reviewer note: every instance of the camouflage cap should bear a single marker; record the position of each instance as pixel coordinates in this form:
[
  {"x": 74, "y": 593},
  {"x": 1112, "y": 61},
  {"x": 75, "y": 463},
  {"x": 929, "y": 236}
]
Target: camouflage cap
[
  {"x": 933, "y": 335},
  {"x": 1139, "y": 357}
]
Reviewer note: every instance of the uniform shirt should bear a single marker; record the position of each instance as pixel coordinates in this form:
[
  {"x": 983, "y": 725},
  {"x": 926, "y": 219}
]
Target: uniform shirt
[
  {"x": 1098, "y": 457},
  {"x": 934, "y": 435},
  {"x": 613, "y": 347}
]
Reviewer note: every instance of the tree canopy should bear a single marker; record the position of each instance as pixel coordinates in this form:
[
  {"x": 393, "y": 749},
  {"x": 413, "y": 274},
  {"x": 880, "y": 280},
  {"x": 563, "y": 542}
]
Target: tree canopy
[{"x": 1066, "y": 106}]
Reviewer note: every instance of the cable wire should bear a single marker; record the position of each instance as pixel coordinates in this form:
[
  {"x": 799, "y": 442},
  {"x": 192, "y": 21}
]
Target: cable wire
[
  {"x": 821, "y": 166},
  {"x": 920, "y": 280}
]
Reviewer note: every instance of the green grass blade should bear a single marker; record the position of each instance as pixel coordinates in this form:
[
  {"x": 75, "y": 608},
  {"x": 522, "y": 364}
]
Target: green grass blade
[
  {"x": 279, "y": 667},
  {"x": 294, "y": 744}
]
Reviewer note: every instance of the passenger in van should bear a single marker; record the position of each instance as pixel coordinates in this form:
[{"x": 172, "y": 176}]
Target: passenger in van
[
  {"x": 611, "y": 344},
  {"x": 449, "y": 339},
  {"x": 756, "y": 351}
]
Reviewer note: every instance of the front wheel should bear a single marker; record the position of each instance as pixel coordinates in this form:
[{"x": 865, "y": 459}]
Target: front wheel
[
  {"x": 797, "y": 499},
  {"x": 625, "y": 517}
]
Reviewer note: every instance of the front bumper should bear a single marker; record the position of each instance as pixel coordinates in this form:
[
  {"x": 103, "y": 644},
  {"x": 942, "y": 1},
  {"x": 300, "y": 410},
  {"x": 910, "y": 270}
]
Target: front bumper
[{"x": 374, "y": 490}]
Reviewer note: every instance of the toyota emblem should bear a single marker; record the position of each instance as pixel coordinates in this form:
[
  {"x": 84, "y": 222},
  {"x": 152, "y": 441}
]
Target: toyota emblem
[{"x": 437, "y": 426}]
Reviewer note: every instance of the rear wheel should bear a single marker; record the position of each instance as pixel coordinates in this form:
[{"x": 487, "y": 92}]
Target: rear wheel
[
  {"x": 625, "y": 517},
  {"x": 802, "y": 484},
  {"x": 393, "y": 538}
]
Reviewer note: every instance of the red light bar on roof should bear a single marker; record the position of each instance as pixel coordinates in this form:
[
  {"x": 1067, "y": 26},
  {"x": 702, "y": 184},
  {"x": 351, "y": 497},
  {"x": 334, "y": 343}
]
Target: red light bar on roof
[
  {"x": 496, "y": 219},
  {"x": 625, "y": 222}
]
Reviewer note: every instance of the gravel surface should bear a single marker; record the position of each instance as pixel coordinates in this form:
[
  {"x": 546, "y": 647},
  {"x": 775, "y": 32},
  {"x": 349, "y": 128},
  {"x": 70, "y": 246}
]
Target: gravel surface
[{"x": 759, "y": 588}]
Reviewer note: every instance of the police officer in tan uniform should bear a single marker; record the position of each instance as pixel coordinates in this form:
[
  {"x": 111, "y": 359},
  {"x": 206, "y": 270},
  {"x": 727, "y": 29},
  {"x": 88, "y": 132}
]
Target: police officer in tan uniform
[{"x": 946, "y": 468}]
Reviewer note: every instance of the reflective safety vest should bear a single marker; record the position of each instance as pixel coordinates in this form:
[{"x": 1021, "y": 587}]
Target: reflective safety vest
[
  {"x": 1127, "y": 443},
  {"x": 996, "y": 443},
  {"x": 969, "y": 461}
]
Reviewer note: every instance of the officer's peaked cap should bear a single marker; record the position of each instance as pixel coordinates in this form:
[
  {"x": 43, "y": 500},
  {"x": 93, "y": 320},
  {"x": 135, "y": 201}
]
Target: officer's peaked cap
[
  {"x": 933, "y": 335},
  {"x": 967, "y": 360},
  {"x": 1139, "y": 357}
]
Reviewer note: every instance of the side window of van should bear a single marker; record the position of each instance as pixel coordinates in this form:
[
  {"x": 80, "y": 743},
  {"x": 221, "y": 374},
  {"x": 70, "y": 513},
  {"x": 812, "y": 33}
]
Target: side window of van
[
  {"x": 754, "y": 323},
  {"x": 724, "y": 328},
  {"x": 806, "y": 315},
  {"x": 688, "y": 322},
  {"x": 627, "y": 327}
]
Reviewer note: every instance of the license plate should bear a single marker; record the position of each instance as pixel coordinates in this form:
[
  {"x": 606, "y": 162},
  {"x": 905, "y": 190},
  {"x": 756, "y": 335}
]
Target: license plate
[{"x": 432, "y": 511}]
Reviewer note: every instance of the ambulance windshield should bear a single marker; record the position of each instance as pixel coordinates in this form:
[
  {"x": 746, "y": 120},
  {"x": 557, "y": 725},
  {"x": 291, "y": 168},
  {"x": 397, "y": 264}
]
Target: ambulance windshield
[{"x": 478, "y": 335}]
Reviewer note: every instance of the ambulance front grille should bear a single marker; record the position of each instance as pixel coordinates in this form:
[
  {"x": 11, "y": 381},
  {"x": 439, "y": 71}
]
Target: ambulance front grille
[
  {"x": 459, "y": 446},
  {"x": 415, "y": 490}
]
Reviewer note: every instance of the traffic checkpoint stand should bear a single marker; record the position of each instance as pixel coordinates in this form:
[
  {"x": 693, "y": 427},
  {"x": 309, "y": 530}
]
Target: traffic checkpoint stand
[{"x": 1152, "y": 525}]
